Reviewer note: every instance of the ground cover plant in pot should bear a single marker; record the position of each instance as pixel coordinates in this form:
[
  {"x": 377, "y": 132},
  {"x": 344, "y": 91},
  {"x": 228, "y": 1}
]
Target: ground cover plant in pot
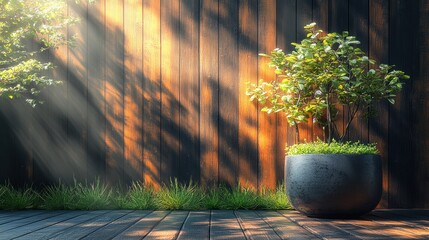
[{"x": 326, "y": 71}]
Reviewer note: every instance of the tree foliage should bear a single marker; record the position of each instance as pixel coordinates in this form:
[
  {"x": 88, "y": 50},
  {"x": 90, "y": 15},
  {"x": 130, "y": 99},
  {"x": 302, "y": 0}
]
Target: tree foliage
[
  {"x": 27, "y": 29},
  {"x": 322, "y": 72}
]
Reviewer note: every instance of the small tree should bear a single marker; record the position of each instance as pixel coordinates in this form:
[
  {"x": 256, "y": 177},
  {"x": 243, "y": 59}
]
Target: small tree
[
  {"x": 324, "y": 71},
  {"x": 28, "y": 28}
]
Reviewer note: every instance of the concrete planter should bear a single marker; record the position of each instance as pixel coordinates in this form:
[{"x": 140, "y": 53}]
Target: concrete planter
[{"x": 334, "y": 185}]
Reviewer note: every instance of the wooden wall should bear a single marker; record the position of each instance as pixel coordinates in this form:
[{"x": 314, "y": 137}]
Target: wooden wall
[{"x": 155, "y": 90}]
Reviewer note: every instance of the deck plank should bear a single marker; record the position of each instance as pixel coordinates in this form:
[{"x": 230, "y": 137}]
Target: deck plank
[
  {"x": 169, "y": 227},
  {"x": 83, "y": 229},
  {"x": 224, "y": 225},
  {"x": 196, "y": 226},
  {"x": 361, "y": 228},
  {"x": 284, "y": 227},
  {"x": 216, "y": 224},
  {"x": 254, "y": 227},
  {"x": 322, "y": 228},
  {"x": 28, "y": 220},
  {"x": 404, "y": 228},
  {"x": 23, "y": 230},
  {"x": 51, "y": 231},
  {"x": 116, "y": 227},
  {"x": 142, "y": 227},
  {"x": 13, "y": 216}
]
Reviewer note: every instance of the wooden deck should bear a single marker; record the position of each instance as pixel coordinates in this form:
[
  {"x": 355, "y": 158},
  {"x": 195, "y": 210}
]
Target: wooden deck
[{"x": 217, "y": 224}]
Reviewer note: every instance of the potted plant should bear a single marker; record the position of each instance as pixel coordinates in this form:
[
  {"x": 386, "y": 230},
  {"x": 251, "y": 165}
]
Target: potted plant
[{"x": 329, "y": 178}]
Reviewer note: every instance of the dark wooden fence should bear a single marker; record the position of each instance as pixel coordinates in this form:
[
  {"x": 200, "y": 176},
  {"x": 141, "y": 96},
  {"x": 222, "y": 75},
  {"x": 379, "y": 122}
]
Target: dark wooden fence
[{"x": 155, "y": 90}]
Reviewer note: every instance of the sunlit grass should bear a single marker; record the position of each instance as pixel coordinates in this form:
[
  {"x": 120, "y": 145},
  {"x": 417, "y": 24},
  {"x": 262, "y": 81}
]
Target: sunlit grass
[
  {"x": 138, "y": 196},
  {"x": 173, "y": 196},
  {"x": 93, "y": 196},
  {"x": 178, "y": 196}
]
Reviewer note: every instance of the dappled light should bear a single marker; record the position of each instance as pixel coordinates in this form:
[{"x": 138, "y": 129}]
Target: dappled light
[{"x": 156, "y": 90}]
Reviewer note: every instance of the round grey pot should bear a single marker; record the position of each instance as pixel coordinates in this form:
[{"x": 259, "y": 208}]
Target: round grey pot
[{"x": 334, "y": 185}]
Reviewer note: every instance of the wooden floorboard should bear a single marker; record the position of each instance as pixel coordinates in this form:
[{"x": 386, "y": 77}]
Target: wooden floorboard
[
  {"x": 37, "y": 225},
  {"x": 169, "y": 227},
  {"x": 214, "y": 224},
  {"x": 255, "y": 227},
  {"x": 196, "y": 226},
  {"x": 58, "y": 228},
  {"x": 224, "y": 225},
  {"x": 284, "y": 227},
  {"x": 83, "y": 229}
]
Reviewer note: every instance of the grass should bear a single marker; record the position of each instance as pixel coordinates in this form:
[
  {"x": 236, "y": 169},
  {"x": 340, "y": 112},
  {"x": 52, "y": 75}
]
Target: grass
[
  {"x": 173, "y": 196},
  {"x": 17, "y": 199},
  {"x": 320, "y": 147}
]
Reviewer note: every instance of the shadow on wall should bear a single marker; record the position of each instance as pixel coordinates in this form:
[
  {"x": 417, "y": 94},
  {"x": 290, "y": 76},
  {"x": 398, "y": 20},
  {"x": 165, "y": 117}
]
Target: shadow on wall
[{"x": 113, "y": 117}]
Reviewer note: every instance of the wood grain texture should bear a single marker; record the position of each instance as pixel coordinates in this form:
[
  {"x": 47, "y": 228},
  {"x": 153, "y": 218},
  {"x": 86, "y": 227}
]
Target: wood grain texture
[
  {"x": 359, "y": 27},
  {"x": 209, "y": 92},
  {"x": 247, "y": 112},
  {"x": 216, "y": 224},
  {"x": 224, "y": 225},
  {"x": 170, "y": 86},
  {"x": 421, "y": 91},
  {"x": 196, "y": 226},
  {"x": 133, "y": 91},
  {"x": 338, "y": 22},
  {"x": 151, "y": 92},
  {"x": 286, "y": 31},
  {"x": 402, "y": 186},
  {"x": 228, "y": 92},
  {"x": 163, "y": 83},
  {"x": 77, "y": 85},
  {"x": 189, "y": 164},
  {"x": 379, "y": 51},
  {"x": 96, "y": 90},
  {"x": 114, "y": 92},
  {"x": 266, "y": 122}
]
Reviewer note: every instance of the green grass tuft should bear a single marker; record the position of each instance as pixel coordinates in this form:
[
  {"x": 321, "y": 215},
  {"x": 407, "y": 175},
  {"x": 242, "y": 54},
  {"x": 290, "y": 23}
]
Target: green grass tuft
[
  {"x": 320, "y": 147},
  {"x": 180, "y": 197},
  {"x": 58, "y": 197},
  {"x": 93, "y": 196},
  {"x": 274, "y": 200},
  {"x": 138, "y": 196},
  {"x": 241, "y": 198},
  {"x": 175, "y": 196},
  {"x": 17, "y": 199}
]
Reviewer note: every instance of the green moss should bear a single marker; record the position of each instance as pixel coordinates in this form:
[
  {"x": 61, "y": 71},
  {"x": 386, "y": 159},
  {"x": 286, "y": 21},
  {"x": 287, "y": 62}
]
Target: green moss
[{"x": 320, "y": 147}]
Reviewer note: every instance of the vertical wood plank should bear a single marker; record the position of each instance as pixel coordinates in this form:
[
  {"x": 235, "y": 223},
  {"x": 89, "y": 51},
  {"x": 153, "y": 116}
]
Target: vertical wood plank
[
  {"x": 338, "y": 22},
  {"x": 402, "y": 189},
  {"x": 379, "y": 51},
  {"x": 358, "y": 26},
  {"x": 96, "y": 90},
  {"x": 422, "y": 166},
  {"x": 114, "y": 92},
  {"x": 189, "y": 90},
  {"x": 304, "y": 14},
  {"x": 151, "y": 92},
  {"x": 228, "y": 91},
  {"x": 248, "y": 112},
  {"x": 321, "y": 17},
  {"x": 170, "y": 105},
  {"x": 401, "y": 50},
  {"x": 133, "y": 100},
  {"x": 286, "y": 34},
  {"x": 77, "y": 106},
  {"x": 289, "y": 34},
  {"x": 267, "y": 122},
  {"x": 209, "y": 91}
]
